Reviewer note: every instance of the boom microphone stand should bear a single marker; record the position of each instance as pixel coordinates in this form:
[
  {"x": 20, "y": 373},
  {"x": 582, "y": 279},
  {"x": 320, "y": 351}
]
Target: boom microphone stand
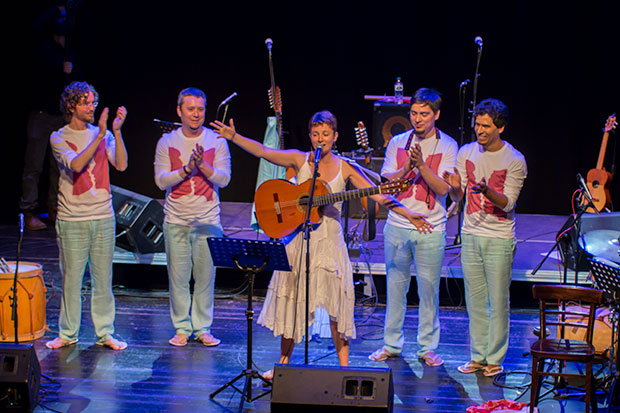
[{"x": 462, "y": 94}]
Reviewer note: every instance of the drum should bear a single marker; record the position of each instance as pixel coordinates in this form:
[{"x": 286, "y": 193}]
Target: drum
[{"x": 31, "y": 291}]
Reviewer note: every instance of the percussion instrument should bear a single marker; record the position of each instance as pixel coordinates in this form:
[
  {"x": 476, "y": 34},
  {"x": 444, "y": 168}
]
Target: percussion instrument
[{"x": 31, "y": 302}]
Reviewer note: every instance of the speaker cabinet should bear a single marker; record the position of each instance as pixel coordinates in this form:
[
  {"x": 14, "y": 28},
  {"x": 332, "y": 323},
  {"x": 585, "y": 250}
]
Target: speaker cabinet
[
  {"x": 389, "y": 119},
  {"x": 20, "y": 377},
  {"x": 343, "y": 389},
  {"x": 570, "y": 244},
  {"x": 139, "y": 221},
  {"x": 355, "y": 205}
]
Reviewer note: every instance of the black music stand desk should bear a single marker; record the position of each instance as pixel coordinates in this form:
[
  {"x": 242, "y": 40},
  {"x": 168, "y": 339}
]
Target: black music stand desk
[{"x": 252, "y": 257}]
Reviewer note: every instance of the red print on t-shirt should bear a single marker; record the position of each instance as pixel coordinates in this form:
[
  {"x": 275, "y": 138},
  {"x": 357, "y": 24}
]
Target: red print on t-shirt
[
  {"x": 99, "y": 173},
  {"x": 202, "y": 186},
  {"x": 422, "y": 189},
  {"x": 495, "y": 182}
]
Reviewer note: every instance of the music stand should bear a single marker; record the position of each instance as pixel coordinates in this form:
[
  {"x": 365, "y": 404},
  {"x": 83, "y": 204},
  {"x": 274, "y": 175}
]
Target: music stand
[
  {"x": 252, "y": 257},
  {"x": 606, "y": 276},
  {"x": 166, "y": 127}
]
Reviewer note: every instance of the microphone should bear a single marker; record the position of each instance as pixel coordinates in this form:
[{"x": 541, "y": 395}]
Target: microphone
[
  {"x": 228, "y": 99},
  {"x": 478, "y": 41},
  {"x": 21, "y": 223},
  {"x": 585, "y": 188},
  {"x": 269, "y": 43},
  {"x": 317, "y": 153}
]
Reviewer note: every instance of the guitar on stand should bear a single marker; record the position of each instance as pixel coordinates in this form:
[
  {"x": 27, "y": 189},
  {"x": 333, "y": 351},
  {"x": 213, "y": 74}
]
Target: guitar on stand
[
  {"x": 598, "y": 180},
  {"x": 369, "y": 207},
  {"x": 275, "y": 103}
]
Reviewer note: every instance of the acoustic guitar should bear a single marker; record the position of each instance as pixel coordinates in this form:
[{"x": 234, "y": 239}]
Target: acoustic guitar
[
  {"x": 275, "y": 102},
  {"x": 598, "y": 179},
  {"x": 361, "y": 136},
  {"x": 281, "y": 206}
]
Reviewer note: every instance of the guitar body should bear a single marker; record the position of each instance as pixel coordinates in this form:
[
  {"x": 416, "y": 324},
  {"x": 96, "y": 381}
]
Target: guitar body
[
  {"x": 599, "y": 182},
  {"x": 280, "y": 206}
]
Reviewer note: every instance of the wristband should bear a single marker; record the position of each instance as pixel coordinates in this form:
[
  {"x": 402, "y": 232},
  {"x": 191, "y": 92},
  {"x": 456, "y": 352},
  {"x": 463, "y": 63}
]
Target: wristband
[{"x": 185, "y": 170}]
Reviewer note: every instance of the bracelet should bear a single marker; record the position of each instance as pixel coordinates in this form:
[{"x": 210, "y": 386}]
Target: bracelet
[{"x": 185, "y": 170}]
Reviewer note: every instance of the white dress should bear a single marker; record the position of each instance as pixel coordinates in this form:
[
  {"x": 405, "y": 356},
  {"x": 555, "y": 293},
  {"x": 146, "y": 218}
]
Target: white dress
[{"x": 331, "y": 276}]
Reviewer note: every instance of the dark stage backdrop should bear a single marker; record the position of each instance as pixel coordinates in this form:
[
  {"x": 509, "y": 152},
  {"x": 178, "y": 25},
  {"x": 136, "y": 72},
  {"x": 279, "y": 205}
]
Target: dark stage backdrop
[{"x": 553, "y": 67}]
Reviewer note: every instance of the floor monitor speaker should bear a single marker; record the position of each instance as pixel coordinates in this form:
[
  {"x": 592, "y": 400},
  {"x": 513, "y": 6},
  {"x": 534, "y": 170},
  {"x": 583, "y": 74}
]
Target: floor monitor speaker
[
  {"x": 303, "y": 388},
  {"x": 139, "y": 221},
  {"x": 20, "y": 377}
]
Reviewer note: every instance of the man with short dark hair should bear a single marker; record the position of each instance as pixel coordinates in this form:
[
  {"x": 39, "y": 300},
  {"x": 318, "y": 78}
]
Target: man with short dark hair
[
  {"x": 492, "y": 172},
  {"x": 422, "y": 154},
  {"x": 191, "y": 164}
]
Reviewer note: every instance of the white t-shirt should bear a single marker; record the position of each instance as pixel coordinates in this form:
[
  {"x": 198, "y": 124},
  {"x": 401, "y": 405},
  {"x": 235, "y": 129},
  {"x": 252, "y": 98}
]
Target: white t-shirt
[
  {"x": 504, "y": 172},
  {"x": 439, "y": 155},
  {"x": 193, "y": 200},
  {"x": 83, "y": 195}
]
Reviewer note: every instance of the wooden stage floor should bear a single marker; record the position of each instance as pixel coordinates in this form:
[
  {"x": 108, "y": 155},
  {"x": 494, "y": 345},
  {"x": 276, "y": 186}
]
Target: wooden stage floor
[{"x": 150, "y": 375}]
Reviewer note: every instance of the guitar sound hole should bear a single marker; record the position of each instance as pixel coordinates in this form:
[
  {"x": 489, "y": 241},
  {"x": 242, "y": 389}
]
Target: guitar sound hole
[{"x": 595, "y": 184}]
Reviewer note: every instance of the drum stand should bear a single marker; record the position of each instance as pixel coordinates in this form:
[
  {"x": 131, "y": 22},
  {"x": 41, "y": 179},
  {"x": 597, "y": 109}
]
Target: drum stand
[
  {"x": 251, "y": 257},
  {"x": 607, "y": 277}
]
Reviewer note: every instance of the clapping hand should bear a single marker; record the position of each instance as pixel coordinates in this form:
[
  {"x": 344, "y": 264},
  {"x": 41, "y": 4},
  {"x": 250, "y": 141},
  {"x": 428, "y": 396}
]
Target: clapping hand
[
  {"x": 452, "y": 179},
  {"x": 481, "y": 187},
  {"x": 121, "y": 114},
  {"x": 198, "y": 154}
]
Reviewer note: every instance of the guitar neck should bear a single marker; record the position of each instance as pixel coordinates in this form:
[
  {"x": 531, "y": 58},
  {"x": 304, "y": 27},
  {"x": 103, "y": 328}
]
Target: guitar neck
[
  {"x": 601, "y": 154},
  {"x": 279, "y": 128},
  {"x": 346, "y": 195}
]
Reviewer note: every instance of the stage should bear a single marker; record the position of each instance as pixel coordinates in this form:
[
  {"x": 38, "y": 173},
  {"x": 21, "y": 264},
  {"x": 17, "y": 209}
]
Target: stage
[
  {"x": 535, "y": 237},
  {"x": 151, "y": 375}
]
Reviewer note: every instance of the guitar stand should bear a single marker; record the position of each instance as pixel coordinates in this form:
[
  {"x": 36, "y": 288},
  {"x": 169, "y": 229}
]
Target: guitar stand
[{"x": 251, "y": 257}]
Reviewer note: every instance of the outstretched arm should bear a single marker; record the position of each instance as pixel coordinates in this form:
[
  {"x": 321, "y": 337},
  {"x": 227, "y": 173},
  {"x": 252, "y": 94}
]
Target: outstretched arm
[{"x": 288, "y": 158}]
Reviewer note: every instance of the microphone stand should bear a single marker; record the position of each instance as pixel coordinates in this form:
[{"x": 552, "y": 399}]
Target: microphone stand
[
  {"x": 475, "y": 91},
  {"x": 307, "y": 226},
  {"x": 14, "y": 297},
  {"x": 462, "y": 93},
  {"x": 576, "y": 223},
  {"x": 218, "y": 112}
]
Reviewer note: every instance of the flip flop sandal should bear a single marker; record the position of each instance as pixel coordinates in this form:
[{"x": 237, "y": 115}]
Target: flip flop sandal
[
  {"x": 208, "y": 340},
  {"x": 431, "y": 359},
  {"x": 381, "y": 355},
  {"x": 492, "y": 371},
  {"x": 470, "y": 367},
  {"x": 179, "y": 340}
]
